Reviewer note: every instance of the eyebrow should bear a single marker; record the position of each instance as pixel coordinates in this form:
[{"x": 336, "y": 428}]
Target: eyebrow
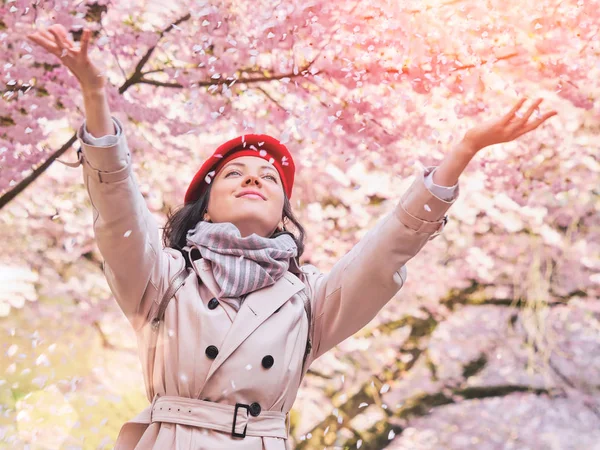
[{"x": 244, "y": 165}]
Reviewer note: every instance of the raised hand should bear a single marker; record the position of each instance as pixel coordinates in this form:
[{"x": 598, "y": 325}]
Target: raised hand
[
  {"x": 56, "y": 41},
  {"x": 507, "y": 128}
]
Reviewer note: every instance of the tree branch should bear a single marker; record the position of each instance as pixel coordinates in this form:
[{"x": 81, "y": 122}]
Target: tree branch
[
  {"x": 414, "y": 346},
  {"x": 8, "y": 196},
  {"x": 24, "y": 183},
  {"x": 206, "y": 83},
  {"x": 137, "y": 73},
  {"x": 378, "y": 436}
]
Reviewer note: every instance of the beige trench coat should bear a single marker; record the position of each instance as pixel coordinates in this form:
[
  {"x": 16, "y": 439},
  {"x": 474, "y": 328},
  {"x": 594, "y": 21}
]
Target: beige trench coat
[{"x": 270, "y": 327}]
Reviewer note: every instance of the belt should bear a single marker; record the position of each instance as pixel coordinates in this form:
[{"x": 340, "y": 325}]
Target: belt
[{"x": 218, "y": 416}]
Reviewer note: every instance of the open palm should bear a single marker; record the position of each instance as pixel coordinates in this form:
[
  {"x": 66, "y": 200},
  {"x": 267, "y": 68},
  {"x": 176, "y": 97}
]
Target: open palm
[
  {"x": 507, "y": 128},
  {"x": 56, "y": 41}
]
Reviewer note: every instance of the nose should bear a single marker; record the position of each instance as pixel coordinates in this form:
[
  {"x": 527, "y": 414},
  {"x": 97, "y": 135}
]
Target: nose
[{"x": 250, "y": 179}]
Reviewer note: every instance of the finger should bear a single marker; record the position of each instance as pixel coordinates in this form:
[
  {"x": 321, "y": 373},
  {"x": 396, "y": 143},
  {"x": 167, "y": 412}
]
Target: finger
[
  {"x": 40, "y": 36},
  {"x": 50, "y": 38},
  {"x": 62, "y": 33},
  {"x": 85, "y": 40},
  {"x": 56, "y": 38},
  {"x": 65, "y": 48},
  {"x": 45, "y": 43},
  {"x": 537, "y": 122},
  {"x": 529, "y": 112},
  {"x": 60, "y": 40},
  {"x": 507, "y": 118},
  {"x": 47, "y": 35}
]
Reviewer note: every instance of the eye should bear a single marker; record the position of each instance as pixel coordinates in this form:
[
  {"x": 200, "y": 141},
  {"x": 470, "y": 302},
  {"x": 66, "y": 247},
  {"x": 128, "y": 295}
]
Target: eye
[{"x": 235, "y": 171}]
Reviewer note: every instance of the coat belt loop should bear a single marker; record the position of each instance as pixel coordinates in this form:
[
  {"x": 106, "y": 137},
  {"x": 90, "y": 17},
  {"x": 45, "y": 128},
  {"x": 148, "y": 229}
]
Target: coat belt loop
[
  {"x": 75, "y": 164},
  {"x": 152, "y": 406}
]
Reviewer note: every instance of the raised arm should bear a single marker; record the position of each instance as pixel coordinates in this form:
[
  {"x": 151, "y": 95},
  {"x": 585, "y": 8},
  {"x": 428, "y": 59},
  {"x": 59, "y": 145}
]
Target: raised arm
[
  {"x": 369, "y": 275},
  {"x": 127, "y": 235},
  {"x": 366, "y": 278}
]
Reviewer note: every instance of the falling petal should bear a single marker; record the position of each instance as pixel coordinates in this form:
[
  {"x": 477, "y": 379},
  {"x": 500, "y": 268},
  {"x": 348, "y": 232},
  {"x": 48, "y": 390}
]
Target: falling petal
[{"x": 42, "y": 360}]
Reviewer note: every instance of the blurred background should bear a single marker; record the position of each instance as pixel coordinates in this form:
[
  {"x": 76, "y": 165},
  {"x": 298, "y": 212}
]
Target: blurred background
[{"x": 494, "y": 340}]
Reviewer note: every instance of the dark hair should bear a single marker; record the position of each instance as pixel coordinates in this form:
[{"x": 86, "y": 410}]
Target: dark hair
[{"x": 186, "y": 216}]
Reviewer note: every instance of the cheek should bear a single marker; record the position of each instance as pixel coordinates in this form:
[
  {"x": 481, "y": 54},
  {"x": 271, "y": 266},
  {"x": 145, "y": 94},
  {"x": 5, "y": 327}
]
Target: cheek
[
  {"x": 278, "y": 206},
  {"x": 219, "y": 196}
]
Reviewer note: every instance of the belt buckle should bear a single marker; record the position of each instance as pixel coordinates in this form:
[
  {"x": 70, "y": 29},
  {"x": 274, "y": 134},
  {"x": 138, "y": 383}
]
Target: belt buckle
[{"x": 233, "y": 433}]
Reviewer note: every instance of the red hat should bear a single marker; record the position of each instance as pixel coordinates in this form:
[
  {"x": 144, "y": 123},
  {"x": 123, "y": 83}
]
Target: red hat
[{"x": 260, "y": 145}]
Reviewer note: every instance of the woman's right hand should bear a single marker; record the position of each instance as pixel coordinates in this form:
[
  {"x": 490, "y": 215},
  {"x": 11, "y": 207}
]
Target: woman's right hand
[{"x": 56, "y": 41}]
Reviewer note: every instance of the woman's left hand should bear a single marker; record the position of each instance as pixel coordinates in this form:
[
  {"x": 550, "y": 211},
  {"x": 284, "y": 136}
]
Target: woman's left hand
[{"x": 505, "y": 129}]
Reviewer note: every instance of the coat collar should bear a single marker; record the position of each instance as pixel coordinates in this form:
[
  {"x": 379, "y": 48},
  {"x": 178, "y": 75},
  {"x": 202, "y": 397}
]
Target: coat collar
[{"x": 256, "y": 308}]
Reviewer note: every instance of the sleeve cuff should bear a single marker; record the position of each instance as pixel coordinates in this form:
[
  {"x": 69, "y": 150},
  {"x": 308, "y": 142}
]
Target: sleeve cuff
[
  {"x": 446, "y": 193},
  {"x": 103, "y": 141},
  {"x": 420, "y": 210},
  {"x": 112, "y": 156}
]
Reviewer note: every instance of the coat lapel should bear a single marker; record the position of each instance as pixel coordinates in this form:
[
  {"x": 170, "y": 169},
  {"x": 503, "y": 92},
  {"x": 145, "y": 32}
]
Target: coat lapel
[
  {"x": 203, "y": 271},
  {"x": 257, "y": 307}
]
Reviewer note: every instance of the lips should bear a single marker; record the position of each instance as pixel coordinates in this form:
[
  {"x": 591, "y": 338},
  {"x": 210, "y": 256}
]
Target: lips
[{"x": 251, "y": 194}]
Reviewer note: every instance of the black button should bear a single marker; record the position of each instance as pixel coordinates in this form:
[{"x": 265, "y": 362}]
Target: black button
[
  {"x": 254, "y": 409},
  {"x": 213, "y": 303},
  {"x": 212, "y": 351},
  {"x": 267, "y": 362}
]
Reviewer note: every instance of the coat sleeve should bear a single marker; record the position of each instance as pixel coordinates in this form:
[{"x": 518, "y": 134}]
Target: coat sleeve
[
  {"x": 127, "y": 234},
  {"x": 369, "y": 275}
]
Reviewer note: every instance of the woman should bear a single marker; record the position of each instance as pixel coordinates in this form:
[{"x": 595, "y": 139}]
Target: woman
[{"x": 225, "y": 357}]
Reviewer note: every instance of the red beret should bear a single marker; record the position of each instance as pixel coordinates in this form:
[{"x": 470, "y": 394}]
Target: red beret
[{"x": 260, "y": 145}]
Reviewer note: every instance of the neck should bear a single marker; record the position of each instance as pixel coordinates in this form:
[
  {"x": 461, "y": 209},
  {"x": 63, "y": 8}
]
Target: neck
[{"x": 246, "y": 229}]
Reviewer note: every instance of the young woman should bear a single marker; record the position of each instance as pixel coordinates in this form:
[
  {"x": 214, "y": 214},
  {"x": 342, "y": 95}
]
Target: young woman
[{"x": 223, "y": 359}]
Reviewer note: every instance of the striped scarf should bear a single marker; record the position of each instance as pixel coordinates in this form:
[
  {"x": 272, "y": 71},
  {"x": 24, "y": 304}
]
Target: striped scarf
[{"x": 241, "y": 265}]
